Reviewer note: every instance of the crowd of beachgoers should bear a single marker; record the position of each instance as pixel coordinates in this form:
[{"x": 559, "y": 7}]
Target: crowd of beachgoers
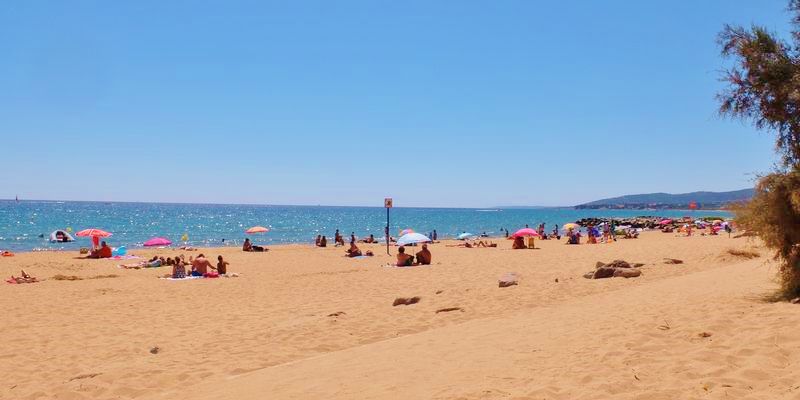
[{"x": 593, "y": 230}]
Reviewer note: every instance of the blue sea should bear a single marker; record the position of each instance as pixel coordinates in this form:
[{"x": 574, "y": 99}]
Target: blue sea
[{"x": 26, "y": 225}]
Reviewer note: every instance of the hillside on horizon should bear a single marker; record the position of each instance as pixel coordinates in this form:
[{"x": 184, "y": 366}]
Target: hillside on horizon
[{"x": 703, "y": 199}]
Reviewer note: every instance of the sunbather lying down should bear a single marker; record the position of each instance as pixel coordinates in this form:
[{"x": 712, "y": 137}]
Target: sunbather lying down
[{"x": 25, "y": 278}]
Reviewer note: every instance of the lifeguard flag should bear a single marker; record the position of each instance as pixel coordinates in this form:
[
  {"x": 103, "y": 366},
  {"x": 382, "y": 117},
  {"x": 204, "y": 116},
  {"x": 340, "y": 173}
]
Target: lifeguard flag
[{"x": 693, "y": 205}]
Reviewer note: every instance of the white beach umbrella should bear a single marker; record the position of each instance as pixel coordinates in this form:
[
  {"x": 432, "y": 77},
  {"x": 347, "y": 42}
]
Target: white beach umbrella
[{"x": 413, "y": 237}]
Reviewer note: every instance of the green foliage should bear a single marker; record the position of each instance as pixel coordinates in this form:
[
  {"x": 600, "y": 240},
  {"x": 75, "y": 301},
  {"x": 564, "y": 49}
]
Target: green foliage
[
  {"x": 774, "y": 213},
  {"x": 764, "y": 87}
]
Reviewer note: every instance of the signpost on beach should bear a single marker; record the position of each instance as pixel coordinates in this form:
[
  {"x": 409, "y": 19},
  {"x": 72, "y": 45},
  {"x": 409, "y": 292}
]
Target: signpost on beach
[{"x": 387, "y": 202}]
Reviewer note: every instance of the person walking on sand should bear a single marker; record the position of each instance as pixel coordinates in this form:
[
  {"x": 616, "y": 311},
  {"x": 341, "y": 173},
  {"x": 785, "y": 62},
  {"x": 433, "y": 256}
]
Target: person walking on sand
[{"x": 435, "y": 235}]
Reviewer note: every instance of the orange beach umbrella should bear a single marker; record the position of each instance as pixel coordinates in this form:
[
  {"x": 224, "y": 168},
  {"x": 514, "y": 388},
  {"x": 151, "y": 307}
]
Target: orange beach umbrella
[{"x": 256, "y": 229}]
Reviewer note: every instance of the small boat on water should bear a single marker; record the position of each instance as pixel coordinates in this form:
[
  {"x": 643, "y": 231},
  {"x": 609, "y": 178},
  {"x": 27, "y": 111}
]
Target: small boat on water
[{"x": 61, "y": 237}]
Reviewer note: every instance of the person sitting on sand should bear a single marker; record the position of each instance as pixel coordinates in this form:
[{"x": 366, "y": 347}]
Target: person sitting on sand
[
  {"x": 370, "y": 239},
  {"x": 573, "y": 237},
  {"x": 403, "y": 259},
  {"x": 103, "y": 252},
  {"x": 519, "y": 243},
  {"x": 200, "y": 266},
  {"x": 323, "y": 242},
  {"x": 316, "y": 242},
  {"x": 222, "y": 266},
  {"x": 179, "y": 270},
  {"x": 353, "y": 251},
  {"x": 424, "y": 256},
  {"x": 247, "y": 246}
]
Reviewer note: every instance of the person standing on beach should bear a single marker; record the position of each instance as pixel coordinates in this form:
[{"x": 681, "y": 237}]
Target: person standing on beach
[
  {"x": 352, "y": 237},
  {"x": 434, "y": 235}
]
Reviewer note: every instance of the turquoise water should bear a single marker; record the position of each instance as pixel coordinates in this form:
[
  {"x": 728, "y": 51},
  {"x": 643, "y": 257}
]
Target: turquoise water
[{"x": 22, "y": 223}]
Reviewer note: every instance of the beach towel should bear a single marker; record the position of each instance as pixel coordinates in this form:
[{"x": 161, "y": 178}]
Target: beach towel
[
  {"x": 14, "y": 282},
  {"x": 125, "y": 257},
  {"x": 188, "y": 278},
  {"x": 359, "y": 257}
]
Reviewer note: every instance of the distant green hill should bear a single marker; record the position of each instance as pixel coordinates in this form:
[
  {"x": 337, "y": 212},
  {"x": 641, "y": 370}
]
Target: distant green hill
[{"x": 704, "y": 200}]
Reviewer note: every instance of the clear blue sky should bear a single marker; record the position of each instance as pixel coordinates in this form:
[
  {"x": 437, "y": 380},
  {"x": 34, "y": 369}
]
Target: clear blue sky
[{"x": 436, "y": 103}]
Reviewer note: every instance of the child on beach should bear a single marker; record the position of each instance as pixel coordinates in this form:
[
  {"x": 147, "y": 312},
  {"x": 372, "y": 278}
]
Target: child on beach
[
  {"x": 222, "y": 266},
  {"x": 179, "y": 270},
  {"x": 403, "y": 259}
]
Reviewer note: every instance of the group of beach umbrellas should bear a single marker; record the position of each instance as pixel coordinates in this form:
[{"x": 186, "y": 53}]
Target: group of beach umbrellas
[{"x": 96, "y": 234}]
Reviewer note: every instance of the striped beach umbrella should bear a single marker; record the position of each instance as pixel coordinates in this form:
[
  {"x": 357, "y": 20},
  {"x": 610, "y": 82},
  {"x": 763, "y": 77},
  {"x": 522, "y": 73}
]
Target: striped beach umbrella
[{"x": 93, "y": 232}]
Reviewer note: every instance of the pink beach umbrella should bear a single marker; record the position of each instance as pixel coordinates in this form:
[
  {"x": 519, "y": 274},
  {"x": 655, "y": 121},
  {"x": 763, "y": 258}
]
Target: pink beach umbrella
[
  {"x": 157, "y": 241},
  {"x": 526, "y": 232},
  {"x": 256, "y": 229},
  {"x": 665, "y": 221},
  {"x": 406, "y": 231}
]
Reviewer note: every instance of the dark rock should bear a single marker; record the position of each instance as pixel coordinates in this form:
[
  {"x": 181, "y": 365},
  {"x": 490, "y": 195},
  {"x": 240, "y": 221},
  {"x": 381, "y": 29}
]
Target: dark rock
[
  {"x": 672, "y": 261},
  {"x": 405, "y": 301},
  {"x": 618, "y": 264},
  {"x": 627, "y": 272},
  {"x": 603, "y": 272},
  {"x": 509, "y": 279},
  {"x": 336, "y": 314}
]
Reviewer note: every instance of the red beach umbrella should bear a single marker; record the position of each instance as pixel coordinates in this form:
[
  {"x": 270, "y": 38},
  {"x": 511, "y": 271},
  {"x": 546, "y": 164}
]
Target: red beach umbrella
[{"x": 93, "y": 232}]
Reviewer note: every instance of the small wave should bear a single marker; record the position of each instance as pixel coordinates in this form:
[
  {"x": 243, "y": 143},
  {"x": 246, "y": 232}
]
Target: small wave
[{"x": 487, "y": 210}]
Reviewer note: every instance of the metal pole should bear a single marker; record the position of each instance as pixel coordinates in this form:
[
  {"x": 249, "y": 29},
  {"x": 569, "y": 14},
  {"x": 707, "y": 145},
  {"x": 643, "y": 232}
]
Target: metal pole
[{"x": 387, "y": 231}]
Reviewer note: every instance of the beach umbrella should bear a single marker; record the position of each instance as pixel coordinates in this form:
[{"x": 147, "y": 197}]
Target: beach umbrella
[
  {"x": 412, "y": 237},
  {"x": 526, "y": 232},
  {"x": 157, "y": 241},
  {"x": 665, "y": 221},
  {"x": 406, "y": 231},
  {"x": 93, "y": 232},
  {"x": 256, "y": 229},
  {"x": 465, "y": 235},
  {"x": 571, "y": 226}
]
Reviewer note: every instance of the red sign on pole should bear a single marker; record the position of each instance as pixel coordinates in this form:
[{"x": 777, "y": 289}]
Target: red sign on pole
[{"x": 387, "y": 202}]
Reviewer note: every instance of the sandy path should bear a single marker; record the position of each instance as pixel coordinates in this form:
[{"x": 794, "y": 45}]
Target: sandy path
[
  {"x": 599, "y": 346},
  {"x": 270, "y": 329}
]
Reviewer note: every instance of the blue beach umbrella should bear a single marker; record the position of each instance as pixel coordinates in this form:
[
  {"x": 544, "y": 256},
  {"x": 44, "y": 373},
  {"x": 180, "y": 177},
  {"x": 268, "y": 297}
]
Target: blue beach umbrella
[
  {"x": 465, "y": 235},
  {"x": 409, "y": 238}
]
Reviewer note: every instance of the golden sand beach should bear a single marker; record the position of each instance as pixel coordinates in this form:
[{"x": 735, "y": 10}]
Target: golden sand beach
[{"x": 307, "y": 323}]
